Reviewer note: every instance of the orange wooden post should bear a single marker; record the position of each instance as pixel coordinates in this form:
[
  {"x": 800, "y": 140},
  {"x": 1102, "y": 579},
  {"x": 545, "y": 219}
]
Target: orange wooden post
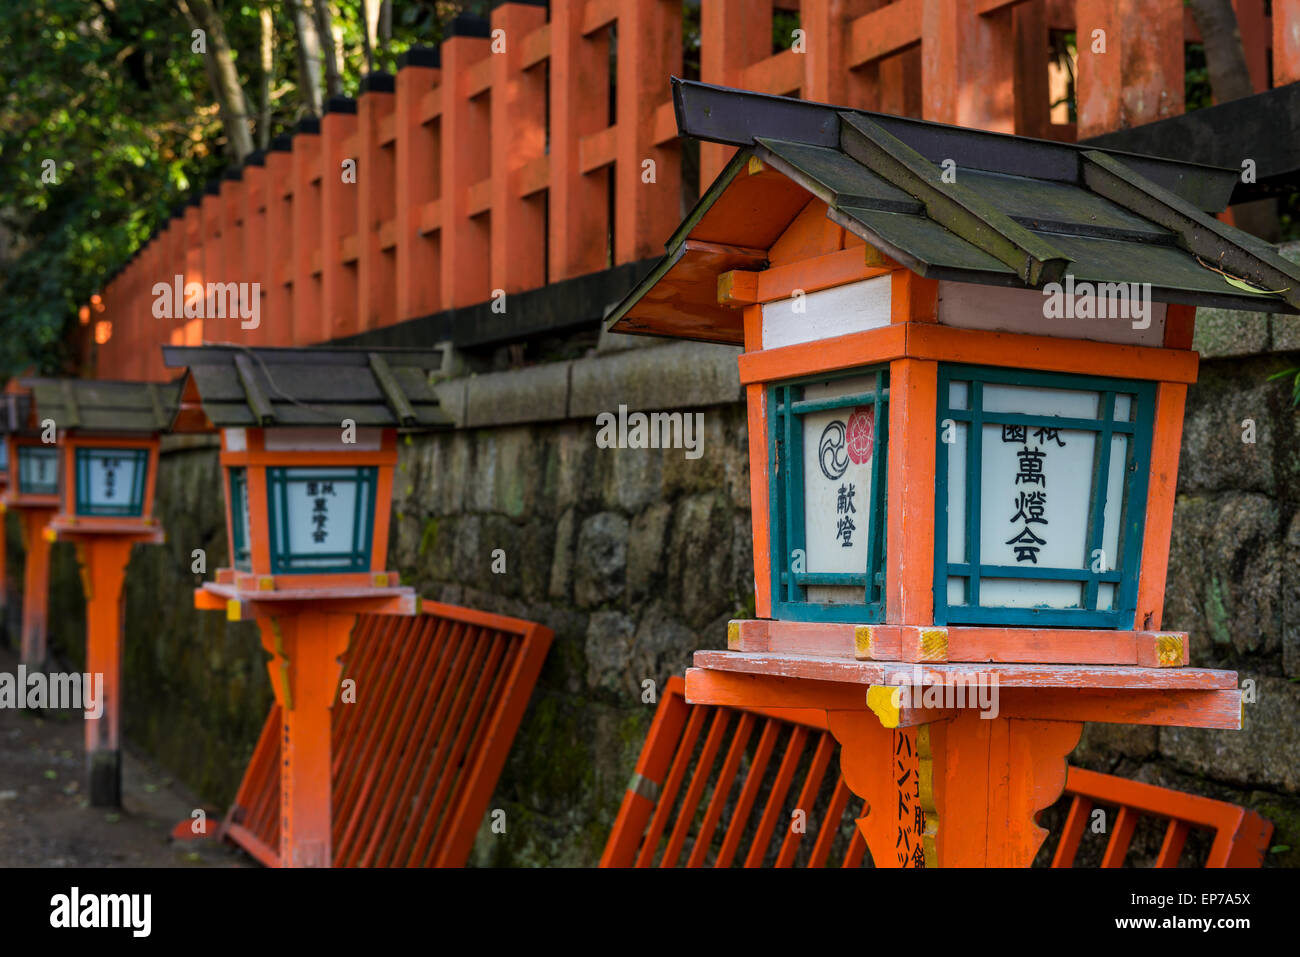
[
  {"x": 255, "y": 264},
  {"x": 1286, "y": 42},
  {"x": 417, "y": 153},
  {"x": 338, "y": 233},
  {"x": 828, "y": 73},
  {"x": 214, "y": 266},
  {"x": 965, "y": 57},
  {"x": 376, "y": 186},
  {"x": 280, "y": 242},
  {"x": 191, "y": 330},
  {"x": 233, "y": 233},
  {"x": 305, "y": 668},
  {"x": 1130, "y": 63},
  {"x": 518, "y": 138},
  {"x": 36, "y": 585},
  {"x": 307, "y": 259},
  {"x": 465, "y": 131},
  {"x": 647, "y": 175},
  {"x": 579, "y": 220},
  {"x": 733, "y": 34},
  {"x": 103, "y": 568}
]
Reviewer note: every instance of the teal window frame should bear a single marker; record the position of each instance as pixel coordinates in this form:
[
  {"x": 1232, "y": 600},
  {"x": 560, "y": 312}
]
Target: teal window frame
[
  {"x": 135, "y": 507},
  {"x": 1124, "y": 574},
  {"x": 284, "y": 562},
  {"x": 786, "y": 500},
  {"x": 25, "y": 488},
  {"x": 240, "y": 548}
]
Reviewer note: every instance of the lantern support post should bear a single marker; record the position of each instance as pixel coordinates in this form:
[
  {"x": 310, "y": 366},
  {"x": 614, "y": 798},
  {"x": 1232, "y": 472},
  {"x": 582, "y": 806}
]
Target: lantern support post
[
  {"x": 307, "y": 637},
  {"x": 36, "y": 585}
]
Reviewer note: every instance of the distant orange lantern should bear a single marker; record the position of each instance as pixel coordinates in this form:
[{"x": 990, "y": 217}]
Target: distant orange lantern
[
  {"x": 104, "y": 493},
  {"x": 83, "y": 315},
  {"x": 103, "y": 331}
]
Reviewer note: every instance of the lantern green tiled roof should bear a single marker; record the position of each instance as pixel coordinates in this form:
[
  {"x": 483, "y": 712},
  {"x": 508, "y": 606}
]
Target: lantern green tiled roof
[
  {"x": 242, "y": 386},
  {"x": 100, "y": 405},
  {"x": 948, "y": 203},
  {"x": 15, "y": 410}
]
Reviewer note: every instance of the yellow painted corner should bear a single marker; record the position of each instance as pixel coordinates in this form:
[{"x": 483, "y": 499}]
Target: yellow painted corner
[
  {"x": 1169, "y": 650},
  {"x": 886, "y": 702},
  {"x": 934, "y": 644}
]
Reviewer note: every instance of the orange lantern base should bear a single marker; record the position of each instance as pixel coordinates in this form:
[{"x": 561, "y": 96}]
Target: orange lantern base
[
  {"x": 946, "y": 784},
  {"x": 103, "y": 554},
  {"x": 307, "y": 631}
]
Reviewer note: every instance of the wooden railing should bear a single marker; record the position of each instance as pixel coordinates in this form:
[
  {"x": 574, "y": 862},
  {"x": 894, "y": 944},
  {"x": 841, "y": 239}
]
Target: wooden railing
[
  {"x": 734, "y": 793},
  {"x": 519, "y": 152}
]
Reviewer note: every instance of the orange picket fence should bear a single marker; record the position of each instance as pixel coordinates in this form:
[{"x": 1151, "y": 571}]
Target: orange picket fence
[
  {"x": 682, "y": 806},
  {"x": 439, "y": 697}
]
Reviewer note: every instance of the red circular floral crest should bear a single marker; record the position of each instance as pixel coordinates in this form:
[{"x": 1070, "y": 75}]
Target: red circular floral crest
[{"x": 860, "y": 434}]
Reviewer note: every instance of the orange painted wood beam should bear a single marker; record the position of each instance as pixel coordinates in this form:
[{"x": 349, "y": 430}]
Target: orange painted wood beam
[
  {"x": 464, "y": 255},
  {"x": 307, "y": 303},
  {"x": 579, "y": 86},
  {"x": 964, "y": 64},
  {"x": 417, "y": 155},
  {"x": 376, "y": 272},
  {"x": 1286, "y": 42},
  {"x": 733, "y": 35},
  {"x": 647, "y": 172},
  {"x": 339, "y": 191},
  {"x": 1131, "y": 72},
  {"x": 518, "y": 135}
]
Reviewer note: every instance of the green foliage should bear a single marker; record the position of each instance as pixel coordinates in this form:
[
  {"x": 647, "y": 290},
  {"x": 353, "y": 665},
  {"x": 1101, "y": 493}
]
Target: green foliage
[
  {"x": 113, "y": 93},
  {"x": 1294, "y": 376}
]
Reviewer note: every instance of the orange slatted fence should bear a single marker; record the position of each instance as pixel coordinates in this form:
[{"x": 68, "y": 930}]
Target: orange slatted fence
[
  {"x": 693, "y": 799},
  {"x": 439, "y": 697},
  {"x": 506, "y": 167},
  {"x": 1240, "y": 836}
]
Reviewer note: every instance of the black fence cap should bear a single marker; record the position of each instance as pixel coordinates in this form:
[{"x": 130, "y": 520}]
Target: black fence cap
[
  {"x": 421, "y": 56},
  {"x": 340, "y": 104},
  {"x": 308, "y": 124},
  {"x": 282, "y": 143},
  {"x": 233, "y": 173},
  {"x": 523, "y": 3},
  {"x": 255, "y": 158},
  {"x": 378, "y": 82},
  {"x": 468, "y": 25},
  {"x": 212, "y": 187}
]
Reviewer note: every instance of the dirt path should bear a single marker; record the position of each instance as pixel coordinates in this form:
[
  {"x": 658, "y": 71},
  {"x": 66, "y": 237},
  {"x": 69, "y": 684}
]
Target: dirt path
[{"x": 46, "y": 820}]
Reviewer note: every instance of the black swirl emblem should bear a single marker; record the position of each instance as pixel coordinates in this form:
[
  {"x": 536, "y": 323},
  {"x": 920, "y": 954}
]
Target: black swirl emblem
[{"x": 832, "y": 450}]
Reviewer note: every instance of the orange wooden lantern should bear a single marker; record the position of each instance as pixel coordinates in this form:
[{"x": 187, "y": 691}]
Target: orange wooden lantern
[
  {"x": 308, "y": 448},
  {"x": 107, "y": 469},
  {"x": 966, "y": 357},
  {"x": 31, "y": 488}
]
